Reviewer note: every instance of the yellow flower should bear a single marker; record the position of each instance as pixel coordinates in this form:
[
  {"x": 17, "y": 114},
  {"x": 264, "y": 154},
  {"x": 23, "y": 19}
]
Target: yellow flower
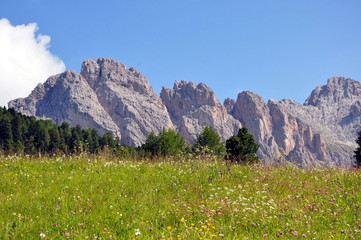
[
  {"x": 182, "y": 220},
  {"x": 169, "y": 227}
]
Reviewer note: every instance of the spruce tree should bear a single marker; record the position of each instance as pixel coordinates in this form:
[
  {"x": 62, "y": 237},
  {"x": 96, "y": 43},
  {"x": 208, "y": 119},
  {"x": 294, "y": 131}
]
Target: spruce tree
[{"x": 242, "y": 147}]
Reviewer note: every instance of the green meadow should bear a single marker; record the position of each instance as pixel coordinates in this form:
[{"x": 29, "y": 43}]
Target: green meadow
[{"x": 95, "y": 197}]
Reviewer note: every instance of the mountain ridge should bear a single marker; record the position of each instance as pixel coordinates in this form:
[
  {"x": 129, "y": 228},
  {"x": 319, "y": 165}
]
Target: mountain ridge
[{"x": 108, "y": 96}]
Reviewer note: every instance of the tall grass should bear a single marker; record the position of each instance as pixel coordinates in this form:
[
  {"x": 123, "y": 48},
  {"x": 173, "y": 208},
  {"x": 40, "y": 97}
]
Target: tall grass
[{"x": 109, "y": 198}]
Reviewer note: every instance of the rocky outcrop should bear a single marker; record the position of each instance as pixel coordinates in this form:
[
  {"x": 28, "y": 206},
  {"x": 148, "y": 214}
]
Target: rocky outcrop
[
  {"x": 67, "y": 97},
  {"x": 333, "y": 110},
  {"x": 192, "y": 107},
  {"x": 125, "y": 94},
  {"x": 278, "y": 132}
]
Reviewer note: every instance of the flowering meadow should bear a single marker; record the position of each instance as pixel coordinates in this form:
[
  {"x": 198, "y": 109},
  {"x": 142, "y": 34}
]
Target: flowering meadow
[{"x": 196, "y": 198}]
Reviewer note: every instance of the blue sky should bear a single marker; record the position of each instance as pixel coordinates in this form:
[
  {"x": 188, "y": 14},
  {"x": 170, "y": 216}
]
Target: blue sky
[{"x": 278, "y": 49}]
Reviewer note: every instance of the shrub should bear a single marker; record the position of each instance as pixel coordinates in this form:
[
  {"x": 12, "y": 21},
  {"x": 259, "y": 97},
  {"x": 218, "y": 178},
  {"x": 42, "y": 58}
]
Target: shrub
[
  {"x": 167, "y": 143},
  {"x": 209, "y": 142}
]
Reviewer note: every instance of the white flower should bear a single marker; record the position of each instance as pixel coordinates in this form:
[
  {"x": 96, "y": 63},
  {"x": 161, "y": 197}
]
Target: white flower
[
  {"x": 137, "y": 232},
  {"x": 42, "y": 235}
]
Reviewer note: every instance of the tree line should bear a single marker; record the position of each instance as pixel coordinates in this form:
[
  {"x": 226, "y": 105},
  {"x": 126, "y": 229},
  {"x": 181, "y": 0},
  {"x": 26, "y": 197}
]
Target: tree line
[{"x": 26, "y": 134}]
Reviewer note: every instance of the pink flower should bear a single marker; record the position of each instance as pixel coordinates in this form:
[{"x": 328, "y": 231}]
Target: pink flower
[
  {"x": 295, "y": 233},
  {"x": 150, "y": 229},
  {"x": 304, "y": 235},
  {"x": 265, "y": 235},
  {"x": 55, "y": 224},
  {"x": 72, "y": 212},
  {"x": 67, "y": 234},
  {"x": 254, "y": 224}
]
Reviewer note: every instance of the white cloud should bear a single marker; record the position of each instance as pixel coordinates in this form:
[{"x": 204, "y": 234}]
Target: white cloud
[{"x": 25, "y": 60}]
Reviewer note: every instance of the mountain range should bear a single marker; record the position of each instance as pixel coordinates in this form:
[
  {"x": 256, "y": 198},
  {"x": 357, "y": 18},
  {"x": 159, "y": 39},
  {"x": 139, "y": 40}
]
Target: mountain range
[{"x": 108, "y": 96}]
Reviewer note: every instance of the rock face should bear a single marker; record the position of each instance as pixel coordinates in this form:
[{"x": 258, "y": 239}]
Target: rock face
[
  {"x": 319, "y": 132},
  {"x": 67, "y": 97},
  {"x": 108, "y": 96},
  {"x": 278, "y": 132},
  {"x": 192, "y": 106},
  {"x": 334, "y": 111},
  {"x": 127, "y": 97}
]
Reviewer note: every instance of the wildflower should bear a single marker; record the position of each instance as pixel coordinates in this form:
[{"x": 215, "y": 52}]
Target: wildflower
[
  {"x": 41, "y": 234},
  {"x": 55, "y": 224},
  {"x": 182, "y": 220},
  {"x": 150, "y": 229},
  {"x": 304, "y": 235},
  {"x": 72, "y": 212},
  {"x": 137, "y": 232},
  {"x": 67, "y": 234},
  {"x": 295, "y": 233},
  {"x": 169, "y": 227},
  {"x": 265, "y": 235}
]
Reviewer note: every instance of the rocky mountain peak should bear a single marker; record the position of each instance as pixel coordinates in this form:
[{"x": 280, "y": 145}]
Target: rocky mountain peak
[
  {"x": 229, "y": 103},
  {"x": 337, "y": 89},
  {"x": 199, "y": 94},
  {"x": 192, "y": 106},
  {"x": 106, "y": 70}
]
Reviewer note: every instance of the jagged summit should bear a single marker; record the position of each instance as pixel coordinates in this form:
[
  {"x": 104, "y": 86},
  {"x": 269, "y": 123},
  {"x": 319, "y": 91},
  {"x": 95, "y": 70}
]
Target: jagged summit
[
  {"x": 337, "y": 90},
  {"x": 108, "y": 96},
  {"x": 192, "y": 106}
]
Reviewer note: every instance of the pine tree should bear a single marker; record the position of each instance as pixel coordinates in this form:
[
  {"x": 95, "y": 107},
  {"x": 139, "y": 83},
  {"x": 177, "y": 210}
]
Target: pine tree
[
  {"x": 242, "y": 147},
  {"x": 6, "y": 135}
]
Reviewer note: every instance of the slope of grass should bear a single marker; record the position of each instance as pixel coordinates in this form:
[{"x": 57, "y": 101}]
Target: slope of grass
[{"x": 100, "y": 198}]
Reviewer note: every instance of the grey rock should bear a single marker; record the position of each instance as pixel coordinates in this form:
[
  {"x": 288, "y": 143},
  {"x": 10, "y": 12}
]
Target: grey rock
[
  {"x": 277, "y": 132},
  {"x": 109, "y": 96},
  {"x": 67, "y": 97},
  {"x": 125, "y": 94},
  {"x": 192, "y": 107}
]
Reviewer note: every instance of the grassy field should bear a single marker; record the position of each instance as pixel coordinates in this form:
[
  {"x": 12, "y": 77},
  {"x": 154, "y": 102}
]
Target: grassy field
[{"x": 109, "y": 198}]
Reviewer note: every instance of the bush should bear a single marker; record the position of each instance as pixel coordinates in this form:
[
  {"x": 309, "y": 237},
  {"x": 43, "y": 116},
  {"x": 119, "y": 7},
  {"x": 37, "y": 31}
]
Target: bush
[
  {"x": 209, "y": 142},
  {"x": 167, "y": 143},
  {"x": 242, "y": 147}
]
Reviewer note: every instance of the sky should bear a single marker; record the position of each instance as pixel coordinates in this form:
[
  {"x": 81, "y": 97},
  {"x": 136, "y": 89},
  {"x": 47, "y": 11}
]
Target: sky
[{"x": 277, "y": 49}]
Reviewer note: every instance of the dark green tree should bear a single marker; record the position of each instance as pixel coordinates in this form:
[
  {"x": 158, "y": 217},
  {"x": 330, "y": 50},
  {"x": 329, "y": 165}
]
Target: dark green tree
[
  {"x": 55, "y": 139},
  {"x": 152, "y": 144},
  {"x": 108, "y": 141},
  {"x": 95, "y": 146},
  {"x": 6, "y": 135},
  {"x": 40, "y": 133},
  {"x": 209, "y": 142},
  {"x": 242, "y": 147},
  {"x": 358, "y": 150},
  {"x": 76, "y": 144}
]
